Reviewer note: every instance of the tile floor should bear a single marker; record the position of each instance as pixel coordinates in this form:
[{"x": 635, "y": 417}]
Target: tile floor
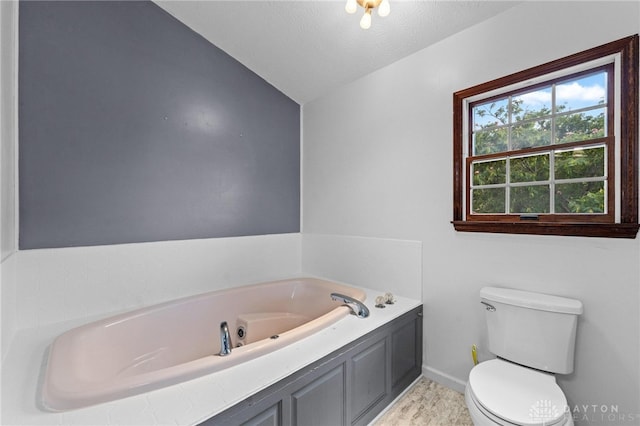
[{"x": 427, "y": 403}]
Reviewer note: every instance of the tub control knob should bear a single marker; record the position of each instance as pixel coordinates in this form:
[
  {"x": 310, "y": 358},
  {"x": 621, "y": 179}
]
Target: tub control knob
[{"x": 389, "y": 299}]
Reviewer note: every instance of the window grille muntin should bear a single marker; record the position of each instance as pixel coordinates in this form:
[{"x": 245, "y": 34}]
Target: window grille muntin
[{"x": 553, "y": 115}]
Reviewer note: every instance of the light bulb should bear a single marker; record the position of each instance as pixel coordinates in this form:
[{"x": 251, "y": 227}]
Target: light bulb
[
  {"x": 384, "y": 9},
  {"x": 365, "y": 22},
  {"x": 351, "y": 6}
]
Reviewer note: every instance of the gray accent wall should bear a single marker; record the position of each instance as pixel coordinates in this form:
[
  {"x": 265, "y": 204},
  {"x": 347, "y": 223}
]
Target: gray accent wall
[{"x": 134, "y": 128}]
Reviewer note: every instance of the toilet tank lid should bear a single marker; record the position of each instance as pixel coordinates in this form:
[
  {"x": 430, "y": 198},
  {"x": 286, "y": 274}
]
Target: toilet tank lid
[{"x": 526, "y": 299}]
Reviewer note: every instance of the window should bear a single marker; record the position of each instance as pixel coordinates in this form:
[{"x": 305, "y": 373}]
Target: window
[{"x": 553, "y": 149}]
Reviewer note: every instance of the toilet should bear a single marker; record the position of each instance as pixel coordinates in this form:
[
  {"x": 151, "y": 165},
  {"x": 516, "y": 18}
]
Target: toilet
[{"x": 533, "y": 336}]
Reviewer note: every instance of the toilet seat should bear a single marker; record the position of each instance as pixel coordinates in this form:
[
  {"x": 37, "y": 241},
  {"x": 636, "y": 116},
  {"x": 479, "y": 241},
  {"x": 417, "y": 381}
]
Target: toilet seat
[{"x": 518, "y": 395}]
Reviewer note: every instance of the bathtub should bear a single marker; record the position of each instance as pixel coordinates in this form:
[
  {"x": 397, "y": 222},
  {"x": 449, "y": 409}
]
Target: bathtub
[{"x": 165, "y": 344}]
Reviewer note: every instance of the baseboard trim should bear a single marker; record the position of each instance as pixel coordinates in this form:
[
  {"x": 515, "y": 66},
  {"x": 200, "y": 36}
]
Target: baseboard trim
[{"x": 443, "y": 378}]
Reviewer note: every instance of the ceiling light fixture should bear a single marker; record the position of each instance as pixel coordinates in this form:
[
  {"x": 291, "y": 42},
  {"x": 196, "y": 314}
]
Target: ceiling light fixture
[{"x": 365, "y": 23}]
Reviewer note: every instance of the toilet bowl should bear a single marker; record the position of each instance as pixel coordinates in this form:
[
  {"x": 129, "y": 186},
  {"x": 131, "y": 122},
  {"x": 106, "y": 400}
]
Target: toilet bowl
[{"x": 503, "y": 393}]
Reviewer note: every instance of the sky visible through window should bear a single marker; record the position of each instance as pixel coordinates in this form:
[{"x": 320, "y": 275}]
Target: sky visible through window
[{"x": 582, "y": 92}]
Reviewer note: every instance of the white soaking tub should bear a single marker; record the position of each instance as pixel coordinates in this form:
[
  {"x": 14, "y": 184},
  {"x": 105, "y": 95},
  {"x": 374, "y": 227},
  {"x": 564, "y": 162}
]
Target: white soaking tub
[{"x": 157, "y": 346}]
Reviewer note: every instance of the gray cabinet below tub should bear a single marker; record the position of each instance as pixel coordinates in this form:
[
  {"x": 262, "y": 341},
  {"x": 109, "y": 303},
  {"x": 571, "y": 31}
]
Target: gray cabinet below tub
[{"x": 347, "y": 387}]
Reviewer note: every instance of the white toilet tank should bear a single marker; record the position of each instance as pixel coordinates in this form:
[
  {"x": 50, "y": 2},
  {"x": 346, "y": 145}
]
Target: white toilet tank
[{"x": 532, "y": 329}]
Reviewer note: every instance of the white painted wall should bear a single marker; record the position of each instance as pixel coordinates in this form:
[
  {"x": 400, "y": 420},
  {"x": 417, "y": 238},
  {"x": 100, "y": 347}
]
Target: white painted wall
[
  {"x": 380, "y": 264},
  {"x": 8, "y": 138},
  {"x": 8, "y": 125},
  {"x": 377, "y": 162},
  {"x": 56, "y": 285}
]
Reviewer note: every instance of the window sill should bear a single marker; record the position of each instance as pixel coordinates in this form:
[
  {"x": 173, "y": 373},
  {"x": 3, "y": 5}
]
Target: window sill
[{"x": 605, "y": 230}]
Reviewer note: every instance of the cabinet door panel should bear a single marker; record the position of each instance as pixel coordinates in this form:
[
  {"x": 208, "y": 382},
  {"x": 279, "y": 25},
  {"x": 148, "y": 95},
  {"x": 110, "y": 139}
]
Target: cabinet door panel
[
  {"x": 369, "y": 378},
  {"x": 269, "y": 417},
  {"x": 404, "y": 352},
  {"x": 321, "y": 402}
]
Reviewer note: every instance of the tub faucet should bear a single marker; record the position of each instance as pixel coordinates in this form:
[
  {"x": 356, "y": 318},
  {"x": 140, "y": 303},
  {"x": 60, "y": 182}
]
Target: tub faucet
[
  {"x": 358, "y": 308},
  {"x": 225, "y": 339}
]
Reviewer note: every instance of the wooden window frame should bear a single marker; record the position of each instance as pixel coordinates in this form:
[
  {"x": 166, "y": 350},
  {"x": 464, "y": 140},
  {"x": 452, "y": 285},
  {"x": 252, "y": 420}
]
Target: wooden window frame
[{"x": 568, "y": 225}]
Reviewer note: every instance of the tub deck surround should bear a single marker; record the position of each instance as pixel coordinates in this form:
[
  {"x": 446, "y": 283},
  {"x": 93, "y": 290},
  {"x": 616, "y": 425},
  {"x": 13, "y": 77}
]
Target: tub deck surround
[
  {"x": 161, "y": 345},
  {"x": 188, "y": 402}
]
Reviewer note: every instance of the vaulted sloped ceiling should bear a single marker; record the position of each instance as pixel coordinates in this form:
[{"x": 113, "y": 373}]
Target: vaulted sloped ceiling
[{"x": 306, "y": 48}]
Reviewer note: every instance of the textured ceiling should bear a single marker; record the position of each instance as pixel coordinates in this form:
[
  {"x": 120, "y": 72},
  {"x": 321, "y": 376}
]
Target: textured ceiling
[{"x": 307, "y": 48}]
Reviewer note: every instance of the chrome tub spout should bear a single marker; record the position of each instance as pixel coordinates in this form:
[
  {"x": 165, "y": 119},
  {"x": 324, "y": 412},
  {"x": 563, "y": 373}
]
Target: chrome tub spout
[
  {"x": 357, "y": 307},
  {"x": 225, "y": 339}
]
